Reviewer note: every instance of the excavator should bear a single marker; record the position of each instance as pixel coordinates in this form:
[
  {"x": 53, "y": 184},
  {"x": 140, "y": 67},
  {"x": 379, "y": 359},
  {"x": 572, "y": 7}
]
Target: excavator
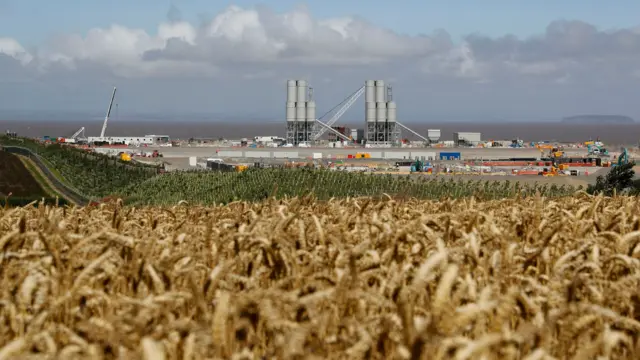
[
  {"x": 419, "y": 166},
  {"x": 623, "y": 159},
  {"x": 554, "y": 152},
  {"x": 555, "y": 169}
]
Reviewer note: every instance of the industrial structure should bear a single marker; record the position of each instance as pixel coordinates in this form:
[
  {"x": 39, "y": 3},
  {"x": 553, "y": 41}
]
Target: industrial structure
[
  {"x": 380, "y": 114},
  {"x": 301, "y": 112},
  {"x": 382, "y": 127},
  {"x": 467, "y": 138},
  {"x": 343, "y": 130},
  {"x": 124, "y": 140}
]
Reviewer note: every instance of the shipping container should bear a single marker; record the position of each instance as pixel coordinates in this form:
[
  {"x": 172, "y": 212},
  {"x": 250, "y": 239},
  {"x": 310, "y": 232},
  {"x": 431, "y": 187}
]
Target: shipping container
[{"x": 450, "y": 156}]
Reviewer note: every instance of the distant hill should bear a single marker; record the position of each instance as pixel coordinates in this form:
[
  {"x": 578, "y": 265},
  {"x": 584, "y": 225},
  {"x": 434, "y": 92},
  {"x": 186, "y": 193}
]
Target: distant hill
[{"x": 598, "y": 119}]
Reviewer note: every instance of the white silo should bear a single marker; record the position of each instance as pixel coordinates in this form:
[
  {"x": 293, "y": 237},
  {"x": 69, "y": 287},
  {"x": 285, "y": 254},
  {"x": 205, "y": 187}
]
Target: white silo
[
  {"x": 291, "y": 91},
  {"x": 301, "y": 111},
  {"x": 381, "y": 112},
  {"x": 391, "y": 111},
  {"x": 370, "y": 91},
  {"x": 381, "y": 92},
  {"x": 370, "y": 112},
  {"x": 303, "y": 88},
  {"x": 311, "y": 110},
  {"x": 291, "y": 111}
]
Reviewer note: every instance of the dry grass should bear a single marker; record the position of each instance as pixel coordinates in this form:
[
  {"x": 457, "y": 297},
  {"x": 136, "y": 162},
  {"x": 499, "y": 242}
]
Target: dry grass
[{"x": 512, "y": 279}]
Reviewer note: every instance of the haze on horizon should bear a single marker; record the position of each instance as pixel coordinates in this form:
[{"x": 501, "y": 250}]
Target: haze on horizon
[{"x": 459, "y": 60}]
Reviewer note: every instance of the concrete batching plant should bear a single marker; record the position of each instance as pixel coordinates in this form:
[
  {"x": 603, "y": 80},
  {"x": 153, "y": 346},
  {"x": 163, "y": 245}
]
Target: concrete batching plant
[
  {"x": 380, "y": 114},
  {"x": 381, "y": 123},
  {"x": 302, "y": 124},
  {"x": 301, "y": 112}
]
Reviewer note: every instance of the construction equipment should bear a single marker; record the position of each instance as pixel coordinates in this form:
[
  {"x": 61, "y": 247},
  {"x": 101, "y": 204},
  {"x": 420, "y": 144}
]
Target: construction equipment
[
  {"x": 556, "y": 152},
  {"x": 125, "y": 157},
  {"x": 623, "y": 159},
  {"x": 75, "y": 138},
  {"x": 106, "y": 118},
  {"x": 597, "y": 149},
  {"x": 419, "y": 166},
  {"x": 550, "y": 172},
  {"x": 346, "y": 104},
  {"x": 517, "y": 143},
  {"x": 555, "y": 170}
]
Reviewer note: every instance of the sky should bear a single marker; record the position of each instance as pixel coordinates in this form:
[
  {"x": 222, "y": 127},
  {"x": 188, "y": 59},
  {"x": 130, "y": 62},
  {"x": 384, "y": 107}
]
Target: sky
[{"x": 496, "y": 59}]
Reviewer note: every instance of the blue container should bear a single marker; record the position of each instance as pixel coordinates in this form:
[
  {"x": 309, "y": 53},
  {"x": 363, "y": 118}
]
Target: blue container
[
  {"x": 413, "y": 168},
  {"x": 449, "y": 156}
]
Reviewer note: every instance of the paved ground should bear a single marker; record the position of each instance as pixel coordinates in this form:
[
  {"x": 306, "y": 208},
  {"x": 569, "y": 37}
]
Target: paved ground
[{"x": 467, "y": 153}]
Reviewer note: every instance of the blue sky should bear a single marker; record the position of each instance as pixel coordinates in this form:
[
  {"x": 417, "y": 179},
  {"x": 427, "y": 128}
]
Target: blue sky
[
  {"x": 244, "y": 56},
  {"x": 32, "y": 22}
]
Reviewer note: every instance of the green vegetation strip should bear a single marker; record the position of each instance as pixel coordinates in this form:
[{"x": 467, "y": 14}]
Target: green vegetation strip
[
  {"x": 37, "y": 174},
  {"x": 207, "y": 188},
  {"x": 88, "y": 173}
]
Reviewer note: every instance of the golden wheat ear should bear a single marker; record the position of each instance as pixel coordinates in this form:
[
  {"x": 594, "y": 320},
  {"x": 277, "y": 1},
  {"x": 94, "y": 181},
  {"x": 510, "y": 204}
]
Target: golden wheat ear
[{"x": 348, "y": 278}]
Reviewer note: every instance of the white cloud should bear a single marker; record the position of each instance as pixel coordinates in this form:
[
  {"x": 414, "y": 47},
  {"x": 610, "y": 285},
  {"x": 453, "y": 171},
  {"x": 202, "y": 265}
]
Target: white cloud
[
  {"x": 12, "y": 48},
  {"x": 262, "y": 43}
]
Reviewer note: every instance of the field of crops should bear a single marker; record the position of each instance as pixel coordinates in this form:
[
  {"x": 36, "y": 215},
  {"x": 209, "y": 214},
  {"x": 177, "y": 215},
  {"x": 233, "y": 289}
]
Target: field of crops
[
  {"x": 530, "y": 278},
  {"x": 92, "y": 174},
  {"x": 209, "y": 188}
]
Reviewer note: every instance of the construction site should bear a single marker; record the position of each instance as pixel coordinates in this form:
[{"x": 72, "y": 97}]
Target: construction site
[
  {"x": 380, "y": 126},
  {"x": 378, "y": 146}
]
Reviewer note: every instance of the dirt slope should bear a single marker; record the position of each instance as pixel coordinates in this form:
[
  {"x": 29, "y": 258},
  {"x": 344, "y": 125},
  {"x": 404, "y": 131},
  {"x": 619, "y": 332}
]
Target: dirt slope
[{"x": 16, "y": 179}]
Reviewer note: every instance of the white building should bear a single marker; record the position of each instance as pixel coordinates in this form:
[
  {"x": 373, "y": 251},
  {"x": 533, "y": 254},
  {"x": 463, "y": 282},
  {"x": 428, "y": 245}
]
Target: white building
[
  {"x": 132, "y": 140},
  {"x": 268, "y": 139},
  {"x": 471, "y": 138}
]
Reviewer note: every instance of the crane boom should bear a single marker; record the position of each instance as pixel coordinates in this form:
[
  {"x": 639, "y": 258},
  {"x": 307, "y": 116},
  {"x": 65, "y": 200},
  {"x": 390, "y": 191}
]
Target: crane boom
[
  {"x": 339, "y": 113},
  {"x": 106, "y": 118},
  {"x": 413, "y": 132},
  {"x": 77, "y": 133},
  {"x": 327, "y": 127}
]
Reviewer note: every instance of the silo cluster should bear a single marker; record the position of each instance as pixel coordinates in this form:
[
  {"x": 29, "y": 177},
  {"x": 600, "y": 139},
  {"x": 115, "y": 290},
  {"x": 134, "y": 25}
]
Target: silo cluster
[
  {"x": 380, "y": 111},
  {"x": 301, "y": 112}
]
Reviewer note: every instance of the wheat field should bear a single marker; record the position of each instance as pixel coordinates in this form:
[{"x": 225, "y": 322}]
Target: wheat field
[{"x": 530, "y": 278}]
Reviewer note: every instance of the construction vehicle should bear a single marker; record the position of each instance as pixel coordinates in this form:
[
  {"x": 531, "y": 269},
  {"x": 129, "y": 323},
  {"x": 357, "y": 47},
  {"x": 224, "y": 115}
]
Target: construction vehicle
[
  {"x": 543, "y": 147},
  {"x": 419, "y": 166},
  {"x": 124, "y": 156},
  {"x": 517, "y": 143},
  {"x": 556, "y": 152},
  {"x": 555, "y": 170},
  {"x": 623, "y": 159},
  {"x": 597, "y": 149}
]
